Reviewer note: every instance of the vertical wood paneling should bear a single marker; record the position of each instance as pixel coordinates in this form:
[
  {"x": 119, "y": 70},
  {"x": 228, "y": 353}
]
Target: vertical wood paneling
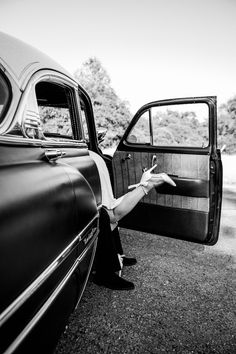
[
  {"x": 145, "y": 165},
  {"x": 159, "y": 169},
  {"x": 125, "y": 171},
  {"x": 160, "y": 163},
  {"x": 117, "y": 171},
  {"x": 203, "y": 167},
  {"x": 189, "y": 166},
  {"x": 132, "y": 170},
  {"x": 176, "y": 164}
]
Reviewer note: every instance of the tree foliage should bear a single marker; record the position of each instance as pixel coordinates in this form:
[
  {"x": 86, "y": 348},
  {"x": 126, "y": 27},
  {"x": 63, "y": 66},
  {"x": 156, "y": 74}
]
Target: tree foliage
[
  {"x": 109, "y": 110},
  {"x": 171, "y": 128},
  {"x": 227, "y": 126},
  {"x": 113, "y": 113},
  {"x": 183, "y": 129}
]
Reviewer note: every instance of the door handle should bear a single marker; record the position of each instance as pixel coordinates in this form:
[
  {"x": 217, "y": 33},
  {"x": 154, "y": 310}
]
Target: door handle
[
  {"x": 53, "y": 154},
  {"x": 154, "y": 160},
  {"x": 127, "y": 157}
]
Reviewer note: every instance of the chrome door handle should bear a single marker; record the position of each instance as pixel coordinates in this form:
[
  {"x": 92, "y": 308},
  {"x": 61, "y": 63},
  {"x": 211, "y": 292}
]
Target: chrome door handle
[
  {"x": 53, "y": 154},
  {"x": 154, "y": 160}
]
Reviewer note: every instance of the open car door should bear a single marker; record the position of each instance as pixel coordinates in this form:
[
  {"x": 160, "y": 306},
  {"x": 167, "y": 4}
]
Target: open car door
[{"x": 180, "y": 136}]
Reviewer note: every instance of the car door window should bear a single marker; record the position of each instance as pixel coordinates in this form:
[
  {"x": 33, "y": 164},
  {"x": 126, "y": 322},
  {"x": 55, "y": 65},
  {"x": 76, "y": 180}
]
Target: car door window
[
  {"x": 55, "y": 110},
  {"x": 173, "y": 125},
  {"x": 141, "y": 132}
]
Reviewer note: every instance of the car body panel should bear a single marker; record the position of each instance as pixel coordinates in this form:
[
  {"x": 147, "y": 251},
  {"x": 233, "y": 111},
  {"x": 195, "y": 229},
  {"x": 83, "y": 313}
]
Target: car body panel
[
  {"x": 26, "y": 62},
  {"x": 49, "y": 209}
]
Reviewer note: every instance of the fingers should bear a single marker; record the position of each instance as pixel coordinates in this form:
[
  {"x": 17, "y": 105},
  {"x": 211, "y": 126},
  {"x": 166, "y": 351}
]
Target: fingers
[
  {"x": 152, "y": 168},
  {"x": 164, "y": 177},
  {"x": 169, "y": 180}
]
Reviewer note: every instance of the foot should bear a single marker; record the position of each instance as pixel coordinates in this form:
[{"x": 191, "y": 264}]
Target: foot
[
  {"x": 128, "y": 261},
  {"x": 113, "y": 281}
]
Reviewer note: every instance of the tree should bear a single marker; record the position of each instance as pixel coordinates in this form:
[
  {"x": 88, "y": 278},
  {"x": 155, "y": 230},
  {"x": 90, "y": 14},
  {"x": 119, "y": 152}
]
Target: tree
[
  {"x": 227, "y": 125},
  {"x": 109, "y": 110}
]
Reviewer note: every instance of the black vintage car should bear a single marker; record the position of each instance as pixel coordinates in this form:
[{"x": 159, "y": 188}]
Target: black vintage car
[{"x": 50, "y": 194}]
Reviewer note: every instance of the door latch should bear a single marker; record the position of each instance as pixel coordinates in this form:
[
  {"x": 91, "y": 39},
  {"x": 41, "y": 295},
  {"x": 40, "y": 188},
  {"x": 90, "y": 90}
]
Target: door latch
[{"x": 127, "y": 157}]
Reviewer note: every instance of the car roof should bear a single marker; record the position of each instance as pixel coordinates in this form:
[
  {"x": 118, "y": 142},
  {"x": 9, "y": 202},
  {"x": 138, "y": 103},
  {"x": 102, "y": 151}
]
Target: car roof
[{"x": 21, "y": 60}]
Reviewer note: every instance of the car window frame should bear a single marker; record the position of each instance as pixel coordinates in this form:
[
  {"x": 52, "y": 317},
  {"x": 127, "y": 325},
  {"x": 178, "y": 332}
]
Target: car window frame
[
  {"x": 212, "y": 127},
  {"x": 58, "y": 78},
  {"x": 150, "y": 128}
]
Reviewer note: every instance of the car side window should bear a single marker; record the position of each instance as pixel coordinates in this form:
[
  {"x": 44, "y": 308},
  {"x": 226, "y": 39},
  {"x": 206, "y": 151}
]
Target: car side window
[
  {"x": 55, "y": 110},
  {"x": 140, "y": 133},
  {"x": 180, "y": 125}
]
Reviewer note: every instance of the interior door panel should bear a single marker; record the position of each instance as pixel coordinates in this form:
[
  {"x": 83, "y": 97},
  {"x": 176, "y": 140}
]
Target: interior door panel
[
  {"x": 191, "y": 174},
  {"x": 170, "y": 209},
  {"x": 189, "y": 211}
]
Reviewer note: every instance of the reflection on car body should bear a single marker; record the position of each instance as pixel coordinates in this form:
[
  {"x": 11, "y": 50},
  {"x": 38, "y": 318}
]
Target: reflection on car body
[{"x": 51, "y": 197}]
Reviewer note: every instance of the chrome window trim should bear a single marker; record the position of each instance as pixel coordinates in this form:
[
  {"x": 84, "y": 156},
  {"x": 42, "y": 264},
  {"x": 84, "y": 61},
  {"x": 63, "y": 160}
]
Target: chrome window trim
[
  {"x": 31, "y": 289},
  {"x": 40, "y": 143},
  {"x": 46, "y": 305},
  {"x": 41, "y": 75}
]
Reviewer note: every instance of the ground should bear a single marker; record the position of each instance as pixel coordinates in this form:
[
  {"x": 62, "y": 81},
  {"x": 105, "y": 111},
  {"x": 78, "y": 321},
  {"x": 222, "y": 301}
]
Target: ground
[{"x": 184, "y": 299}]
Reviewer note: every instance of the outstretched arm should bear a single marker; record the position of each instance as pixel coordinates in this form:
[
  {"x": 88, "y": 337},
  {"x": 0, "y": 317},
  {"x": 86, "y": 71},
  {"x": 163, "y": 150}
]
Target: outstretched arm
[{"x": 132, "y": 198}]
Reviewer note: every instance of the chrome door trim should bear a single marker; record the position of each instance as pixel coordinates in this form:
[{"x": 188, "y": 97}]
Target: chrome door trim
[
  {"x": 46, "y": 305},
  {"x": 21, "y": 141},
  {"x": 89, "y": 270},
  {"x": 24, "y": 296}
]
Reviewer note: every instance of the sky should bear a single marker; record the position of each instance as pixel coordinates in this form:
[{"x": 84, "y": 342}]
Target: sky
[{"x": 151, "y": 49}]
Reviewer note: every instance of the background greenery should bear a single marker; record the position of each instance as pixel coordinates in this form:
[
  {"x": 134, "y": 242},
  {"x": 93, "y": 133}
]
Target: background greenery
[
  {"x": 109, "y": 110},
  {"x": 114, "y": 114}
]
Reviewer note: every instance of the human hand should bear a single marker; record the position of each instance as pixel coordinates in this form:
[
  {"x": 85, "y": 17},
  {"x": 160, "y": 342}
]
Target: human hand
[
  {"x": 150, "y": 180},
  {"x": 146, "y": 176},
  {"x": 157, "y": 179}
]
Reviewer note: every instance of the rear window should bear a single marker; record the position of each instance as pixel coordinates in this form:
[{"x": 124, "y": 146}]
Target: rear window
[{"x": 4, "y": 96}]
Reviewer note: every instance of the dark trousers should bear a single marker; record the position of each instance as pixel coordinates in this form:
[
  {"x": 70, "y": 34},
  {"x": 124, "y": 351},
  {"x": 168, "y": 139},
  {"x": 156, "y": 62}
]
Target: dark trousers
[{"x": 108, "y": 247}]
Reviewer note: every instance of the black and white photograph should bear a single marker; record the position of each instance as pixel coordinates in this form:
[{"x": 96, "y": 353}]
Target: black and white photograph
[{"x": 117, "y": 177}]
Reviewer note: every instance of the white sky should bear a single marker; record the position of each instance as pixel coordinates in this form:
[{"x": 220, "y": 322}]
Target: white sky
[{"x": 152, "y": 49}]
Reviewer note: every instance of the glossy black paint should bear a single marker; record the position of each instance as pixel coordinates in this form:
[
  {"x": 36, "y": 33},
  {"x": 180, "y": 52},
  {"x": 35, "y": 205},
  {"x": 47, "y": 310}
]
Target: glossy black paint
[{"x": 44, "y": 207}]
